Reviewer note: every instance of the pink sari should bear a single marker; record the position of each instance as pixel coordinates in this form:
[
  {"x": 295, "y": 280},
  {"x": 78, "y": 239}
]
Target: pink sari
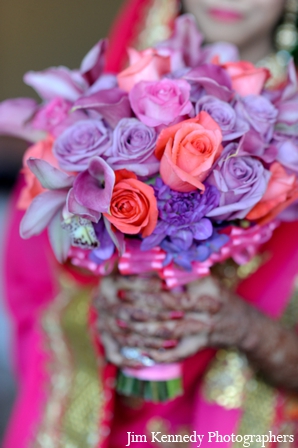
[{"x": 66, "y": 396}]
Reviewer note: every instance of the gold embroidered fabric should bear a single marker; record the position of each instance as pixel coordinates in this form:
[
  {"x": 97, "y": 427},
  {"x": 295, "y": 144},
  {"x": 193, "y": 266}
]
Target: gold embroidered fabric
[
  {"x": 74, "y": 403},
  {"x": 155, "y": 23},
  {"x": 164, "y": 426},
  {"x": 230, "y": 383},
  {"x": 226, "y": 379}
]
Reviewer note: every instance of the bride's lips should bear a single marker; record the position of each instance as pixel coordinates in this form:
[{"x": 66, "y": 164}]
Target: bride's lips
[{"x": 225, "y": 15}]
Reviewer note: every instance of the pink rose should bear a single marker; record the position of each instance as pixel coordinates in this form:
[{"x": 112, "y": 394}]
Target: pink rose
[
  {"x": 192, "y": 147},
  {"x": 247, "y": 79},
  {"x": 147, "y": 65},
  {"x": 56, "y": 116},
  {"x": 161, "y": 102}
]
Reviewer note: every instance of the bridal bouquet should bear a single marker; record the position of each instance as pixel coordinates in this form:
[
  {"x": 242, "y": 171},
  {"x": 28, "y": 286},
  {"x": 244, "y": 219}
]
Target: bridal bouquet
[{"x": 184, "y": 159}]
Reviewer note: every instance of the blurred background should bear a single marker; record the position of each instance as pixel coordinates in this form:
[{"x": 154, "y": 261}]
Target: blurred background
[{"x": 35, "y": 35}]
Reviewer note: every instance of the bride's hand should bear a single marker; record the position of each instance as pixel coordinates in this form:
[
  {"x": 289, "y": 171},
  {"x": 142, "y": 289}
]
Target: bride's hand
[{"x": 167, "y": 326}]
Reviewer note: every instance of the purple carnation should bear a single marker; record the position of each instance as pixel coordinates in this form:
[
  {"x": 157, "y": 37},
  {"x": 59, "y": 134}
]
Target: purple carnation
[
  {"x": 231, "y": 125},
  {"x": 182, "y": 224},
  {"x": 81, "y": 142},
  {"x": 133, "y": 148},
  {"x": 197, "y": 252}
]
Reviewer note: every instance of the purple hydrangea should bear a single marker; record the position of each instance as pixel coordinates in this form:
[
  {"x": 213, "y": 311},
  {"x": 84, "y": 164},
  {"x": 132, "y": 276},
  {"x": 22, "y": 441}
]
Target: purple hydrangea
[{"x": 182, "y": 225}]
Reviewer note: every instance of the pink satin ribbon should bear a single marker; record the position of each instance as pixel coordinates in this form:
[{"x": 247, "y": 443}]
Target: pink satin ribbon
[{"x": 162, "y": 372}]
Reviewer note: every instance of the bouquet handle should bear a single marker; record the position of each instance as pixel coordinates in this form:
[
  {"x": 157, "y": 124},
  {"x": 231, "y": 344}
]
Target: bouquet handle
[{"x": 158, "y": 383}]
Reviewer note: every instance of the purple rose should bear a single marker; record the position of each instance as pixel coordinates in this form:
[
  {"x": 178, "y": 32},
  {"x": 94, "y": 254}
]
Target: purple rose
[
  {"x": 231, "y": 125},
  {"x": 287, "y": 154},
  {"x": 259, "y": 113},
  {"x": 242, "y": 182},
  {"x": 82, "y": 141},
  {"x": 162, "y": 102},
  {"x": 133, "y": 148}
]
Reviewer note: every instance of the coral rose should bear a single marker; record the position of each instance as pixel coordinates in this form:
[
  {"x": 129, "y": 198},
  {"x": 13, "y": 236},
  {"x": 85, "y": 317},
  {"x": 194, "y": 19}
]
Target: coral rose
[
  {"x": 147, "y": 65},
  {"x": 187, "y": 151},
  {"x": 133, "y": 206},
  {"x": 247, "y": 79},
  {"x": 280, "y": 190},
  {"x": 41, "y": 150}
]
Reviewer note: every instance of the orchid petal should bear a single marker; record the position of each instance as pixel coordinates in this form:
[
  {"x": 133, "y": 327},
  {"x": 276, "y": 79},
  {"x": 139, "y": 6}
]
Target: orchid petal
[
  {"x": 112, "y": 104},
  {"x": 117, "y": 237},
  {"x": 50, "y": 177},
  {"x": 59, "y": 238},
  {"x": 77, "y": 209},
  {"x": 41, "y": 211},
  {"x": 88, "y": 189},
  {"x": 93, "y": 63},
  {"x": 57, "y": 81},
  {"x": 14, "y": 117}
]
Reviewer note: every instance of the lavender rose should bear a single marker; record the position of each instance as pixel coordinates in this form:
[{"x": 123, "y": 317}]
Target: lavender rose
[
  {"x": 259, "y": 113},
  {"x": 162, "y": 102},
  {"x": 242, "y": 182},
  {"x": 82, "y": 141},
  {"x": 231, "y": 125},
  {"x": 133, "y": 148}
]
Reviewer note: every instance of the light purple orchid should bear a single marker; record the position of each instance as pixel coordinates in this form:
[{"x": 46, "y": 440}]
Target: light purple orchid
[
  {"x": 15, "y": 118},
  {"x": 287, "y": 120},
  {"x": 66, "y": 83},
  {"x": 92, "y": 191},
  {"x": 213, "y": 79},
  {"x": 46, "y": 209},
  {"x": 186, "y": 40},
  {"x": 224, "y": 51},
  {"x": 111, "y": 104},
  {"x": 252, "y": 144}
]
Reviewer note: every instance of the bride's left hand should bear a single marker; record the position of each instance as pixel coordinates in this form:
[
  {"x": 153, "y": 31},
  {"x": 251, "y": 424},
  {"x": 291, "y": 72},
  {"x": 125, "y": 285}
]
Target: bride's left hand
[{"x": 170, "y": 326}]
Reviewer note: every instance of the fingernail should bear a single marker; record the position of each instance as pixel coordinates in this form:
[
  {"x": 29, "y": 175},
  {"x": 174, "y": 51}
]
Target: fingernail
[
  {"x": 169, "y": 344},
  {"x": 121, "y": 294},
  {"x": 176, "y": 315},
  {"x": 121, "y": 323}
]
